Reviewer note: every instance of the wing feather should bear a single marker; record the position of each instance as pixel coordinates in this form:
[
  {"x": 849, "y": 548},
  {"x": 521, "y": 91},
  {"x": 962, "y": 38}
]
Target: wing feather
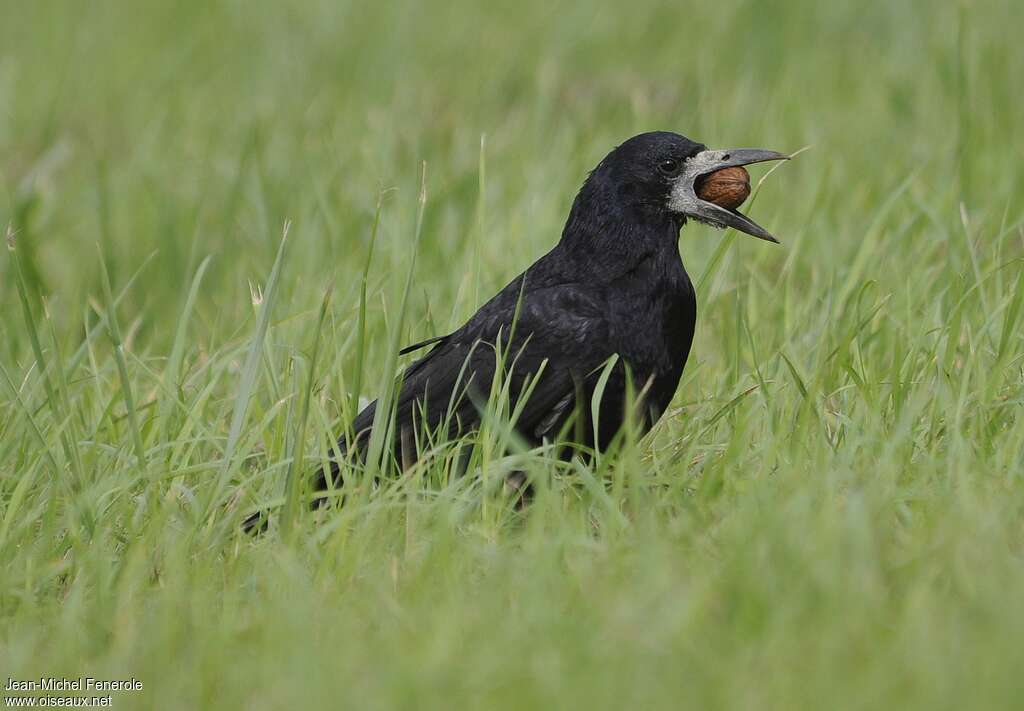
[{"x": 552, "y": 339}]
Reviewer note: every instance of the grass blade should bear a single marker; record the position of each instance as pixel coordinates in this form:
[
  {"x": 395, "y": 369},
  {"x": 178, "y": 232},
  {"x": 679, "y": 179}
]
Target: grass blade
[
  {"x": 248, "y": 378},
  {"x": 380, "y": 433},
  {"x": 114, "y": 329},
  {"x": 293, "y": 481}
]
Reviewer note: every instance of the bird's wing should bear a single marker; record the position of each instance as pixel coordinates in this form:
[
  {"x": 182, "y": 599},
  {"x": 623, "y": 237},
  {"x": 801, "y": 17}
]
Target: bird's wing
[
  {"x": 421, "y": 344},
  {"x": 559, "y": 332}
]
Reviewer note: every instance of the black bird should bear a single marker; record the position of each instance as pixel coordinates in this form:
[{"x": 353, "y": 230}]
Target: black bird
[{"x": 613, "y": 287}]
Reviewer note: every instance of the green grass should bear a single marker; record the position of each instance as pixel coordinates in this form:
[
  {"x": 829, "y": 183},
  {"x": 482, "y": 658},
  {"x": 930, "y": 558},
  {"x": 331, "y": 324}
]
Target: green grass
[{"x": 830, "y": 516}]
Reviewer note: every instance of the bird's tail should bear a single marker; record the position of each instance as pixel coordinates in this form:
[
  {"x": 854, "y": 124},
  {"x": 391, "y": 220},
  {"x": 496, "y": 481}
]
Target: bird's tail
[{"x": 326, "y": 478}]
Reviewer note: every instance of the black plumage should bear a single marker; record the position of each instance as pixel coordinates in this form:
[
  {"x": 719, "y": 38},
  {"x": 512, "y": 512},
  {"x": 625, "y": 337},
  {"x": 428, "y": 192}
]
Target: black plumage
[{"x": 614, "y": 286}]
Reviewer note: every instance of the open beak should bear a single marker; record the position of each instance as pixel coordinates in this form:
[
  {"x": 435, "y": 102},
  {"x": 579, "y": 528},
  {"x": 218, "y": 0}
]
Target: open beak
[{"x": 684, "y": 197}]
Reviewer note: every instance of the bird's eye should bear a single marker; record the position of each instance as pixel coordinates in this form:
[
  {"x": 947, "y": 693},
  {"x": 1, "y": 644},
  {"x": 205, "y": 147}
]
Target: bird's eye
[{"x": 669, "y": 166}]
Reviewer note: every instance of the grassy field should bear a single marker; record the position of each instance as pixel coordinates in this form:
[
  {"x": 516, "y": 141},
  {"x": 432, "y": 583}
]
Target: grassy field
[{"x": 831, "y": 516}]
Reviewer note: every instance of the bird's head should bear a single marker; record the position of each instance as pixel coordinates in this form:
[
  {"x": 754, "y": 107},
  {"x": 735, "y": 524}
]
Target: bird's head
[{"x": 656, "y": 174}]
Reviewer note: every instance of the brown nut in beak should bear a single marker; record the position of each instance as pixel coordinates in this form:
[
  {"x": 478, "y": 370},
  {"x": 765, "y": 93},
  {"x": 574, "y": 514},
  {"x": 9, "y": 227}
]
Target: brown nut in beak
[{"x": 727, "y": 187}]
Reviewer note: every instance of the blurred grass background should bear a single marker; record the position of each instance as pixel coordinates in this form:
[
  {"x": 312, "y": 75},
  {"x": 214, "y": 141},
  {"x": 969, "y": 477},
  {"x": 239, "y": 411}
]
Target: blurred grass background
[{"x": 831, "y": 516}]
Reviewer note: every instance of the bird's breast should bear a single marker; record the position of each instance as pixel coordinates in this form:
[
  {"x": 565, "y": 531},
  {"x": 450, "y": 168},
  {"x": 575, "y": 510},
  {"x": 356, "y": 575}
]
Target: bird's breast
[{"x": 656, "y": 311}]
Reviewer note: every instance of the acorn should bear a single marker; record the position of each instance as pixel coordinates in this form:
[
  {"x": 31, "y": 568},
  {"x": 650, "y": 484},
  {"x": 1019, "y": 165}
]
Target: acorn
[{"x": 727, "y": 187}]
